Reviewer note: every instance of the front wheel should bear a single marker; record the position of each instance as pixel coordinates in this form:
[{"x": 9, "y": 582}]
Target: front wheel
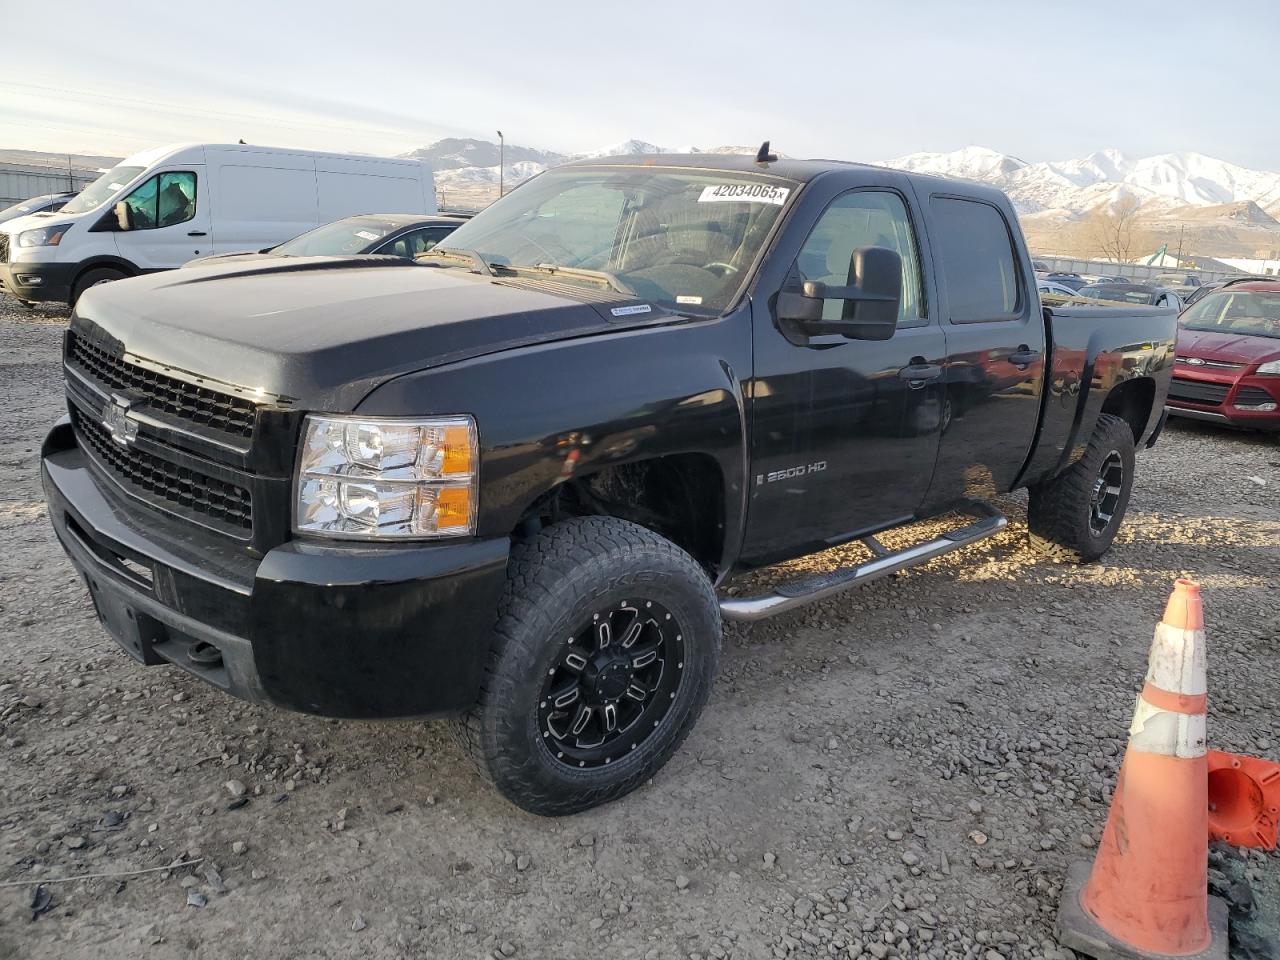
[
  {"x": 1077, "y": 514},
  {"x": 91, "y": 278},
  {"x": 607, "y": 643}
]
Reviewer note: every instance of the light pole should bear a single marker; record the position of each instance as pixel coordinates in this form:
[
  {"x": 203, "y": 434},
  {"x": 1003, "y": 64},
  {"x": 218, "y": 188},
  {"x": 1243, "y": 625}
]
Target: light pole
[{"x": 502, "y": 157}]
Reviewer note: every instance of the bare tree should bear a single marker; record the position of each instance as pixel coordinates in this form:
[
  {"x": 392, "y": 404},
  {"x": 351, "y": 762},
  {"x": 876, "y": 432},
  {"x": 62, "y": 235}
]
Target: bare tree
[{"x": 1112, "y": 230}]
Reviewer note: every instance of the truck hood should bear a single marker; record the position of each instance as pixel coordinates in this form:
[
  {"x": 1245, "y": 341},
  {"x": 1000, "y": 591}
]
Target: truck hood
[
  {"x": 322, "y": 332},
  {"x": 1226, "y": 347}
]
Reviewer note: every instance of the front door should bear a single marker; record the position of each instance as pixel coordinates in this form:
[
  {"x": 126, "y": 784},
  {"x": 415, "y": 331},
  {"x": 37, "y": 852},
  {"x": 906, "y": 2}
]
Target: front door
[
  {"x": 169, "y": 221},
  {"x": 844, "y": 432}
]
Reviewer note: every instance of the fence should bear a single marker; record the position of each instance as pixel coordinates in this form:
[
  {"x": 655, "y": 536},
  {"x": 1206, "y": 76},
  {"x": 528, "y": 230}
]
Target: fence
[
  {"x": 22, "y": 181},
  {"x": 1137, "y": 271}
]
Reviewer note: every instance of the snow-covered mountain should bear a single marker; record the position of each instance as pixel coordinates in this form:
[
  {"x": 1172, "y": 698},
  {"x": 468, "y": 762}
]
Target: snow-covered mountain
[
  {"x": 1052, "y": 189},
  {"x": 1161, "y": 183},
  {"x": 466, "y": 170}
]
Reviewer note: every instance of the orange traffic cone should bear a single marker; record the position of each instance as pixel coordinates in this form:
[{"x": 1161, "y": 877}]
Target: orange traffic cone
[
  {"x": 1244, "y": 800},
  {"x": 1147, "y": 893}
]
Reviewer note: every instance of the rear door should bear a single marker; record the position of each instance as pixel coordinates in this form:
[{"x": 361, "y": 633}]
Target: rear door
[
  {"x": 843, "y": 435},
  {"x": 995, "y": 348}
]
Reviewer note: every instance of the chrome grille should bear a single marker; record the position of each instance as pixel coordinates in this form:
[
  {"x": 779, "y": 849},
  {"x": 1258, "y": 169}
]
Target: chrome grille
[{"x": 1215, "y": 364}]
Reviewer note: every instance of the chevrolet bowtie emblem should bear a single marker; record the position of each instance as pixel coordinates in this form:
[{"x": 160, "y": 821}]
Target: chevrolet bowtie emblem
[{"x": 115, "y": 417}]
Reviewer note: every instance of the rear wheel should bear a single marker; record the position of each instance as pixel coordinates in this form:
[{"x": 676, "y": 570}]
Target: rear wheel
[
  {"x": 608, "y": 640},
  {"x": 1076, "y": 515},
  {"x": 91, "y": 278}
]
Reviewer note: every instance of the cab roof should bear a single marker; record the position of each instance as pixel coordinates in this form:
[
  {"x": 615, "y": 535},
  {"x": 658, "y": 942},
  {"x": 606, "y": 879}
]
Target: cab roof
[{"x": 801, "y": 171}]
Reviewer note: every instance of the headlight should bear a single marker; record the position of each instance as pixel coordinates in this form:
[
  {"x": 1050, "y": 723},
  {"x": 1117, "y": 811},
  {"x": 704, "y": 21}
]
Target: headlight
[
  {"x": 1271, "y": 367},
  {"x": 44, "y": 236},
  {"x": 374, "y": 478}
]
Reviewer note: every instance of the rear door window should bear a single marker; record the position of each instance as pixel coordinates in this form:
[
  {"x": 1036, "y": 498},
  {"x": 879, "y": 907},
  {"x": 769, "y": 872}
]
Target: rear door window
[{"x": 976, "y": 251}]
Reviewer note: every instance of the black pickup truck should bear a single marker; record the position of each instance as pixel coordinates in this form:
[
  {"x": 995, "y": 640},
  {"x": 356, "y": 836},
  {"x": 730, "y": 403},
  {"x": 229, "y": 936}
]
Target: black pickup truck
[{"x": 508, "y": 480}]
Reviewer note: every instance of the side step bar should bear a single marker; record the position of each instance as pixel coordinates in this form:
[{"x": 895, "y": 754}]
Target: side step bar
[{"x": 823, "y": 585}]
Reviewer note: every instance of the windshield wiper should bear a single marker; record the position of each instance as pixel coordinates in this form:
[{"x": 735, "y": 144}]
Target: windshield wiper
[
  {"x": 457, "y": 253},
  {"x": 573, "y": 273}
]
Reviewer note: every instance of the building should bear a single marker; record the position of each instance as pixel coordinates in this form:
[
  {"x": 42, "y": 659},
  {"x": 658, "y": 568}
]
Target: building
[{"x": 29, "y": 173}]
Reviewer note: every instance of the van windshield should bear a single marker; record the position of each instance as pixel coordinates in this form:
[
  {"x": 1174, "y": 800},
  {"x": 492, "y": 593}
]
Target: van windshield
[
  {"x": 102, "y": 189},
  {"x": 682, "y": 238}
]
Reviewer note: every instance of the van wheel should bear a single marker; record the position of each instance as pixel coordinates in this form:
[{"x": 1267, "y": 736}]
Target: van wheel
[
  {"x": 607, "y": 643},
  {"x": 1076, "y": 515},
  {"x": 91, "y": 278}
]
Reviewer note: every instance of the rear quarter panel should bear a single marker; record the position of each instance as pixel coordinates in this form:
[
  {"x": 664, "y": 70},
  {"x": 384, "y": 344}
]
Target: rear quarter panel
[{"x": 1095, "y": 349}]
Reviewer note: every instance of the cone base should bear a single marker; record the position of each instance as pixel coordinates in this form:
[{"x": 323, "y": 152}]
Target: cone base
[{"x": 1077, "y": 930}]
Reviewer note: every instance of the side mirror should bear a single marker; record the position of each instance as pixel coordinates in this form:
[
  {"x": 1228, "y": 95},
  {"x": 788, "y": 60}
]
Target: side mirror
[
  {"x": 123, "y": 221},
  {"x": 871, "y": 299}
]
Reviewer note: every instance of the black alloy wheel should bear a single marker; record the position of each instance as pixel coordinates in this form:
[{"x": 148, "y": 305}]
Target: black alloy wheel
[
  {"x": 612, "y": 685},
  {"x": 1107, "y": 487}
]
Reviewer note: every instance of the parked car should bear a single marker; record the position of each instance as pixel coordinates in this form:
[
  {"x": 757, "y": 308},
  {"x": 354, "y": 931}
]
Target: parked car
[
  {"x": 1201, "y": 290},
  {"x": 162, "y": 207},
  {"x": 1228, "y": 357},
  {"x": 1039, "y": 266},
  {"x": 45, "y": 202},
  {"x": 508, "y": 486},
  {"x": 1072, "y": 280},
  {"x": 1054, "y": 289},
  {"x": 1136, "y": 293},
  {"x": 391, "y": 234},
  {"x": 1176, "y": 280}
]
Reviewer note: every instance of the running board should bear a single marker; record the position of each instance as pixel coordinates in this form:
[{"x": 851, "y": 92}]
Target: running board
[{"x": 823, "y": 585}]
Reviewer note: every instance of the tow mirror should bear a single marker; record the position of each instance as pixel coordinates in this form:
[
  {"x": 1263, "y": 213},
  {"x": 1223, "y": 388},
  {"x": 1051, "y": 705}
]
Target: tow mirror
[
  {"x": 122, "y": 216},
  {"x": 871, "y": 299}
]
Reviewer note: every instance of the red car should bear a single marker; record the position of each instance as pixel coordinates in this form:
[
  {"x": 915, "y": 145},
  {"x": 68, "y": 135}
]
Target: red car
[{"x": 1228, "y": 357}]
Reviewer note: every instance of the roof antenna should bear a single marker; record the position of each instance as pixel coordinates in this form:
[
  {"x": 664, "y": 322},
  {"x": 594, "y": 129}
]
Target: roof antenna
[
  {"x": 764, "y": 156},
  {"x": 242, "y": 139}
]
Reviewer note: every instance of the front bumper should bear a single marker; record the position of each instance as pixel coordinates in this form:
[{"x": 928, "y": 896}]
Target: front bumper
[
  {"x": 341, "y": 631},
  {"x": 38, "y": 281},
  {"x": 1226, "y": 397}
]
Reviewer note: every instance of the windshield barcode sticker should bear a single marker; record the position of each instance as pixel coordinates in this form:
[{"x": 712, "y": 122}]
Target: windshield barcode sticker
[
  {"x": 745, "y": 193},
  {"x": 366, "y": 235}
]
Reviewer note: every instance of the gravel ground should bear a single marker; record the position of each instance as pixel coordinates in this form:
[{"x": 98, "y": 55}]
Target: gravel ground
[{"x": 906, "y": 770}]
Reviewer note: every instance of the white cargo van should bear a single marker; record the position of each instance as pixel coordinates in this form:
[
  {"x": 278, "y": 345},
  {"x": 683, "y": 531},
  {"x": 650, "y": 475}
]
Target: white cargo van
[{"x": 162, "y": 207}]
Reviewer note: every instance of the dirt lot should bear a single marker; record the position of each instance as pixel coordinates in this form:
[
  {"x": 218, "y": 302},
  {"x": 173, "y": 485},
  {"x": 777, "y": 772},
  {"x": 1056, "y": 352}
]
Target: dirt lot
[{"x": 903, "y": 771}]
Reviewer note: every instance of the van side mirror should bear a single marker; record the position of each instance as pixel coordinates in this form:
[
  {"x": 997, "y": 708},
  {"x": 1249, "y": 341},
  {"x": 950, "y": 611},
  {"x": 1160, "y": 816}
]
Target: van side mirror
[
  {"x": 123, "y": 221},
  {"x": 871, "y": 299}
]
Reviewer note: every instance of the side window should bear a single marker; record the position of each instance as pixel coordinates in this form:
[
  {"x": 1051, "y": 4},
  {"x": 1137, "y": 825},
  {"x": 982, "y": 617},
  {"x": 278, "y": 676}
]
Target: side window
[
  {"x": 976, "y": 251},
  {"x": 163, "y": 200},
  {"x": 177, "y": 198},
  {"x": 867, "y": 218},
  {"x": 142, "y": 205}
]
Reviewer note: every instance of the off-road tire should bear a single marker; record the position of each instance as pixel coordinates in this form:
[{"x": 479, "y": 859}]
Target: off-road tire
[
  {"x": 554, "y": 583},
  {"x": 1060, "y": 510},
  {"x": 91, "y": 278}
]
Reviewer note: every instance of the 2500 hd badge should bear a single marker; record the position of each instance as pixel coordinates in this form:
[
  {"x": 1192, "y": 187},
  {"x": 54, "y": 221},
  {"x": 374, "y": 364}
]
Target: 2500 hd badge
[{"x": 803, "y": 470}]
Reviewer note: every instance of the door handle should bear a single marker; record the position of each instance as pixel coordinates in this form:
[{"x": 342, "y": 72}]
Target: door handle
[
  {"x": 1023, "y": 356},
  {"x": 919, "y": 371},
  {"x": 197, "y": 233}
]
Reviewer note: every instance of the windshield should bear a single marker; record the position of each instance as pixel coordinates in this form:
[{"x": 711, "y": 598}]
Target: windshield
[
  {"x": 354, "y": 235},
  {"x": 102, "y": 189},
  {"x": 684, "y": 239},
  {"x": 1249, "y": 312}
]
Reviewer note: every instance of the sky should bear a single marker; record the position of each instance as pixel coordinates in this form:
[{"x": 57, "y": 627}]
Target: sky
[{"x": 845, "y": 79}]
